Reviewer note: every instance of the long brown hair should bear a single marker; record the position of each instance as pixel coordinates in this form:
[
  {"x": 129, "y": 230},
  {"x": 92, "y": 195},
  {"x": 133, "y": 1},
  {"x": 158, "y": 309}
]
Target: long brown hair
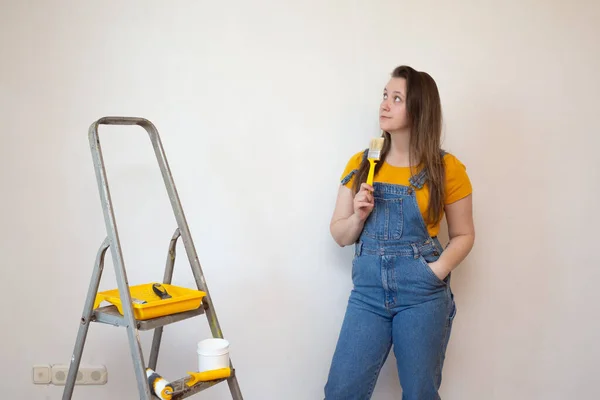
[{"x": 424, "y": 112}]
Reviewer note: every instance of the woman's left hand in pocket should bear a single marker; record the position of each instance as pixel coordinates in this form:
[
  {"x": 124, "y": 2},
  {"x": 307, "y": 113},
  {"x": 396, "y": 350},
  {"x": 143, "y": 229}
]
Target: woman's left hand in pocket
[{"x": 439, "y": 270}]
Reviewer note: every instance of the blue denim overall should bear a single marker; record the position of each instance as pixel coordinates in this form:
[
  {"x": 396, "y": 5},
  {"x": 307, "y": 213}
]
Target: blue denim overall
[{"x": 396, "y": 299}]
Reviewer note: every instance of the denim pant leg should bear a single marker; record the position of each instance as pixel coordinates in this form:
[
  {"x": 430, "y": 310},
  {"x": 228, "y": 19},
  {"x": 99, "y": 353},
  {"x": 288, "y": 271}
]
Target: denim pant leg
[
  {"x": 363, "y": 346},
  {"x": 366, "y": 335},
  {"x": 421, "y": 333}
]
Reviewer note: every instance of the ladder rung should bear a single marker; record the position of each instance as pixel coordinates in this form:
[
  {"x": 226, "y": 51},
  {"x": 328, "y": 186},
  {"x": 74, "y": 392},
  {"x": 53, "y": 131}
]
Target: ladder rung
[
  {"x": 182, "y": 391},
  {"x": 110, "y": 315}
]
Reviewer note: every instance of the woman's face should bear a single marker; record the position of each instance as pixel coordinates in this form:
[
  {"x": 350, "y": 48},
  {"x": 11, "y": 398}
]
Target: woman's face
[{"x": 392, "y": 111}]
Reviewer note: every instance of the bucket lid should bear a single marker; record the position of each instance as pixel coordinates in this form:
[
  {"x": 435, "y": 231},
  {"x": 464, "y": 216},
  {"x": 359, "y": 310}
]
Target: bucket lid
[{"x": 213, "y": 347}]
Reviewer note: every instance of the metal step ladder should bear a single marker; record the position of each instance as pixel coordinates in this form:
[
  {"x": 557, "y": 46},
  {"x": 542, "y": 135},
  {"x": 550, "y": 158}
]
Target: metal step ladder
[{"x": 110, "y": 314}]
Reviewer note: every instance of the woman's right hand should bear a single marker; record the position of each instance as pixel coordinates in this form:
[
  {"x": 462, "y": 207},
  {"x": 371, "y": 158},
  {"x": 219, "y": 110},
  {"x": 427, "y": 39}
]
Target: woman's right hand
[{"x": 364, "y": 202}]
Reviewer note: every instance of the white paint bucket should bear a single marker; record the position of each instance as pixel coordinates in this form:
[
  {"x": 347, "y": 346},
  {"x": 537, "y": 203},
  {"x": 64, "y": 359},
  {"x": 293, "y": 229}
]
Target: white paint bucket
[{"x": 213, "y": 353}]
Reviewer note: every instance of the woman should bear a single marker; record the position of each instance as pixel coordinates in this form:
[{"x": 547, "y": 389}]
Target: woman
[{"x": 400, "y": 272}]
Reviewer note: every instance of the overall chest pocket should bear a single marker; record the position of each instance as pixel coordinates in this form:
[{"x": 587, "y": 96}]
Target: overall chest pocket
[{"x": 386, "y": 220}]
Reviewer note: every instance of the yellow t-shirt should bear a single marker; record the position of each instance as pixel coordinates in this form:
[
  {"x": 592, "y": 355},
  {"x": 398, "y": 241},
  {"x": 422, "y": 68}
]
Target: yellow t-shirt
[{"x": 458, "y": 184}]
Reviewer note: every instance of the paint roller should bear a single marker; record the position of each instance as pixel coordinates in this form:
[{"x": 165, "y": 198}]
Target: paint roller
[{"x": 159, "y": 385}]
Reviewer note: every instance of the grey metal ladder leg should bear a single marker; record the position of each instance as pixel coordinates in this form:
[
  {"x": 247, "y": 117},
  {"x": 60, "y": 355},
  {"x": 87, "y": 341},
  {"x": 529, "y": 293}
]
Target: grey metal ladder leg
[
  {"x": 109, "y": 314},
  {"x": 85, "y": 320},
  {"x": 166, "y": 279}
]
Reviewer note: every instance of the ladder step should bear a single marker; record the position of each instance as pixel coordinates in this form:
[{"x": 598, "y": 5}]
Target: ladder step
[
  {"x": 182, "y": 391},
  {"x": 110, "y": 315}
]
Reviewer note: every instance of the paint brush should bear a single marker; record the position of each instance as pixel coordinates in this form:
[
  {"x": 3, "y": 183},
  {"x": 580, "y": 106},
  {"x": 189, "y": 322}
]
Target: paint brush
[{"x": 373, "y": 156}]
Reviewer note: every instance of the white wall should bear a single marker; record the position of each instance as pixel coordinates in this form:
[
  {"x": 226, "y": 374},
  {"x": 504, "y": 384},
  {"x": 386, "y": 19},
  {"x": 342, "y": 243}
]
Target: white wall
[{"x": 297, "y": 79}]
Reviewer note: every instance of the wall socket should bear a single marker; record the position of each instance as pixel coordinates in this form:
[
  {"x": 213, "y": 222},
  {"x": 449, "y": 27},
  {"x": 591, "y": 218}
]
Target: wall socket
[{"x": 57, "y": 374}]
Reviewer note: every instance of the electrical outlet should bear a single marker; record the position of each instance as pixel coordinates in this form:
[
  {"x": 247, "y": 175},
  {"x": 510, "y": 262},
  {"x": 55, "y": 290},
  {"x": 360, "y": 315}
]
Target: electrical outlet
[
  {"x": 96, "y": 375},
  {"x": 86, "y": 375},
  {"x": 41, "y": 374},
  {"x": 59, "y": 374}
]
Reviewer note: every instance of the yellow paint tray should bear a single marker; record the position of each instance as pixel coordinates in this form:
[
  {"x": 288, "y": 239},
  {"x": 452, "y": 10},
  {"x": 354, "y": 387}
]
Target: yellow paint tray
[{"x": 147, "y": 304}]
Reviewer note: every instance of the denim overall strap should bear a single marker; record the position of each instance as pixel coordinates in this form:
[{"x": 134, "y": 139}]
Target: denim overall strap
[
  {"x": 347, "y": 178},
  {"x": 418, "y": 180}
]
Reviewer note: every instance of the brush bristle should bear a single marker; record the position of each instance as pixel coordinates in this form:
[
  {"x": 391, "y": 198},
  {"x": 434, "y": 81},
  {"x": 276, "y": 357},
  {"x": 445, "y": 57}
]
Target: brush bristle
[{"x": 375, "y": 148}]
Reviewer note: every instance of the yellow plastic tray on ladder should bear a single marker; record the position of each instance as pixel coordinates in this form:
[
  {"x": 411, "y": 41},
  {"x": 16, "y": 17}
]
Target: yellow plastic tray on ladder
[{"x": 182, "y": 299}]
